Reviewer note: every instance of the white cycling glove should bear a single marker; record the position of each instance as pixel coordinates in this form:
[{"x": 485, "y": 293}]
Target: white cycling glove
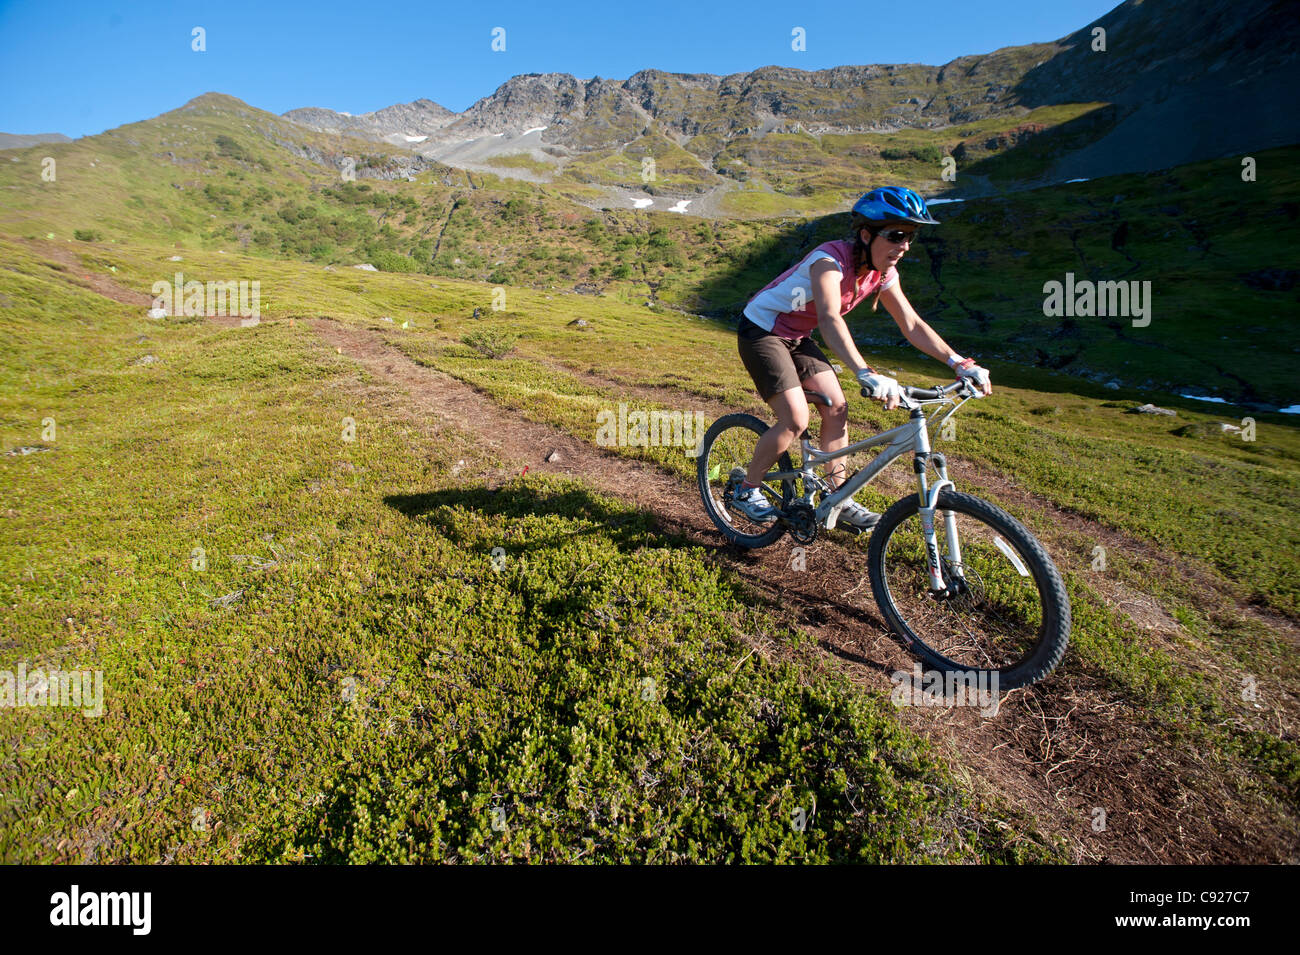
[
  {"x": 977, "y": 375},
  {"x": 880, "y": 387}
]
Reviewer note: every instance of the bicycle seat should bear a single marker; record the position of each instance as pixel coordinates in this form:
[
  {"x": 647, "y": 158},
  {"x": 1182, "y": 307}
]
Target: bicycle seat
[{"x": 816, "y": 397}]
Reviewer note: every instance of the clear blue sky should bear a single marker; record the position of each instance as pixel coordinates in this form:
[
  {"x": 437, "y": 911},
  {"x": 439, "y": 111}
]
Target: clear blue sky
[{"x": 85, "y": 66}]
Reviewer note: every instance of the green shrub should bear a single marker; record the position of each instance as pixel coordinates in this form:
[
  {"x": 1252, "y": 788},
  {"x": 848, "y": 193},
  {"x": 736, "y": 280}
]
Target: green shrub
[
  {"x": 930, "y": 154},
  {"x": 515, "y": 210},
  {"x": 228, "y": 147},
  {"x": 392, "y": 262},
  {"x": 493, "y": 343},
  {"x": 86, "y": 235}
]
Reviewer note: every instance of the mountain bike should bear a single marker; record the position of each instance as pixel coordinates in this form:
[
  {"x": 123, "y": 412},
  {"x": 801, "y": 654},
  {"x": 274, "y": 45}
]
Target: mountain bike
[{"x": 961, "y": 582}]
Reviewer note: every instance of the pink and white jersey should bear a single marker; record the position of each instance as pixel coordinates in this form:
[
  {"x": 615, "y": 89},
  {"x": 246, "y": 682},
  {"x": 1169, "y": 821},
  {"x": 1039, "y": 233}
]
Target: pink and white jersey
[{"x": 771, "y": 308}]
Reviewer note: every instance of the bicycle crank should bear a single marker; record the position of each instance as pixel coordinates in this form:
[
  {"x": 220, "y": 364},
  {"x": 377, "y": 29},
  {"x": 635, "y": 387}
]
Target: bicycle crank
[{"x": 801, "y": 520}]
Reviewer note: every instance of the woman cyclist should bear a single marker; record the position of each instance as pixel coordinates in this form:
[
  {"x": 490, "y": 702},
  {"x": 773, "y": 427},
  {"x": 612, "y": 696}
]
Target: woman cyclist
[{"x": 777, "y": 350}]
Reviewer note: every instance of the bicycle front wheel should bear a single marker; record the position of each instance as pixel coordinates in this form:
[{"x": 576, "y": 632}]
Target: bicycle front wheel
[
  {"x": 725, "y": 454},
  {"x": 1004, "y": 610}
]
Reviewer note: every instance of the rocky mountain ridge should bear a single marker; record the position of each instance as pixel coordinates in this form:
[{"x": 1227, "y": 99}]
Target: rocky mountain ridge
[
  {"x": 1188, "y": 82},
  {"x": 402, "y": 124}
]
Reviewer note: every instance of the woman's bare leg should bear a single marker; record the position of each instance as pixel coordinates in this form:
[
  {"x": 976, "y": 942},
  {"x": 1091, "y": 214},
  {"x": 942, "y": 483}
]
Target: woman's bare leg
[
  {"x": 834, "y": 431},
  {"x": 791, "y": 409}
]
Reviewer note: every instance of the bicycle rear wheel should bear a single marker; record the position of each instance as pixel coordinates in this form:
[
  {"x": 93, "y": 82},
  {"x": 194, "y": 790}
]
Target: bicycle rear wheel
[
  {"x": 725, "y": 453},
  {"x": 1006, "y": 610}
]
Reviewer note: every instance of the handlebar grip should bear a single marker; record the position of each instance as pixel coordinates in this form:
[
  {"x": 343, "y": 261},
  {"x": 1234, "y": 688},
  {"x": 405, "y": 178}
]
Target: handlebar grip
[{"x": 924, "y": 393}]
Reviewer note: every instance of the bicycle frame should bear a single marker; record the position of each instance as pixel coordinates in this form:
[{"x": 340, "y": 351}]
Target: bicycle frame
[{"x": 914, "y": 434}]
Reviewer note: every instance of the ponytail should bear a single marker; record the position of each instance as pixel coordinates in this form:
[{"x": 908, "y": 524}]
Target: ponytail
[
  {"x": 861, "y": 254},
  {"x": 862, "y": 250}
]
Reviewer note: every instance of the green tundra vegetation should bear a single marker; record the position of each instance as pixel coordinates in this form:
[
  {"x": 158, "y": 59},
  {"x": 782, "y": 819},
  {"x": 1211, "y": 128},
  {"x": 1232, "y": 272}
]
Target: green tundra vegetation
[
  {"x": 351, "y": 677},
  {"x": 311, "y": 651}
]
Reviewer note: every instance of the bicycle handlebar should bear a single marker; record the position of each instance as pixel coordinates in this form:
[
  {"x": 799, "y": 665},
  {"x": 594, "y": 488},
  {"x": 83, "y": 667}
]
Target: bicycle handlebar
[
  {"x": 932, "y": 393},
  {"x": 928, "y": 394}
]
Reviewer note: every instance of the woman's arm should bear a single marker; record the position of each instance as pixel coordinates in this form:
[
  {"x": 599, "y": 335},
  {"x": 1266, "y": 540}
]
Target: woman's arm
[
  {"x": 913, "y": 326},
  {"x": 926, "y": 339},
  {"x": 826, "y": 278}
]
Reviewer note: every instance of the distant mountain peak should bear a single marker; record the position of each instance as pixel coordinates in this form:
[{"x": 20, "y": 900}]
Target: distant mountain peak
[
  {"x": 215, "y": 99},
  {"x": 400, "y": 124}
]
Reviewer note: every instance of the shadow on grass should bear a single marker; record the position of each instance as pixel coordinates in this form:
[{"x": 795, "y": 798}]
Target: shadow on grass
[
  {"x": 444, "y": 512},
  {"x": 629, "y": 530}
]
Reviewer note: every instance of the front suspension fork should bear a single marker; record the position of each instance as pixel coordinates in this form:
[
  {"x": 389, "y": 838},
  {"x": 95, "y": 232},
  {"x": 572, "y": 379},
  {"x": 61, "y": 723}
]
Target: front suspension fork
[{"x": 928, "y": 497}]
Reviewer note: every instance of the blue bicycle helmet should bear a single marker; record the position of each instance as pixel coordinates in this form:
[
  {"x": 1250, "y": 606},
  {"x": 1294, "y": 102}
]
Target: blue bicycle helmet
[{"x": 894, "y": 204}]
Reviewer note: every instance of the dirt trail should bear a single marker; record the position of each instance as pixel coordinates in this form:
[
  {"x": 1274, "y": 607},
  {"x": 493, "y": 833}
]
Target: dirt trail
[
  {"x": 70, "y": 264},
  {"x": 1061, "y": 752},
  {"x": 94, "y": 281}
]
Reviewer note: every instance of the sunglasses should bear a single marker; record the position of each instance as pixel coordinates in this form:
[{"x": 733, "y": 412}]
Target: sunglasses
[{"x": 899, "y": 236}]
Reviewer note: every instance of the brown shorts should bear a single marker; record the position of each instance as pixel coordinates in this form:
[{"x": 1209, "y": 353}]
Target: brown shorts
[{"x": 777, "y": 364}]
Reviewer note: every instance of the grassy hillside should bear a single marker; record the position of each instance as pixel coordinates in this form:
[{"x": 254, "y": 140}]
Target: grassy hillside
[
  {"x": 220, "y": 175},
  {"x": 1044, "y": 422},
  {"x": 351, "y": 622},
  {"x": 350, "y": 674}
]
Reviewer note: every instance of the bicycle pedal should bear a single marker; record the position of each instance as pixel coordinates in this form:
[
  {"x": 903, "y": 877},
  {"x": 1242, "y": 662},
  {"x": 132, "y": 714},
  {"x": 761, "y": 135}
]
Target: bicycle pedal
[{"x": 852, "y": 529}]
